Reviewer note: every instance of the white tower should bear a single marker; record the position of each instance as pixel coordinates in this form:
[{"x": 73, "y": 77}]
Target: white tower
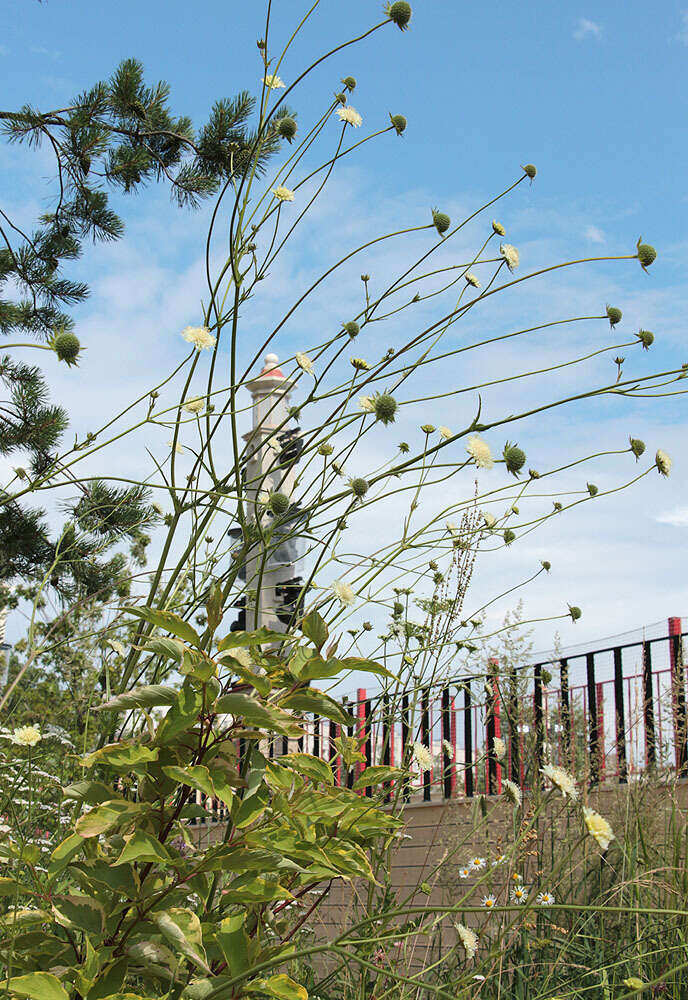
[{"x": 265, "y": 473}]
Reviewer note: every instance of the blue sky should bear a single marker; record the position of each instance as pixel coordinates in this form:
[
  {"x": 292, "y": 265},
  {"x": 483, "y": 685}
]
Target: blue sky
[{"x": 591, "y": 95}]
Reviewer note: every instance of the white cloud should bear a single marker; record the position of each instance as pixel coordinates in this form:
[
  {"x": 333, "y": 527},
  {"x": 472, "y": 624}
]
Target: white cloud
[
  {"x": 585, "y": 28},
  {"x": 594, "y": 235},
  {"x": 678, "y": 517},
  {"x": 682, "y": 34}
]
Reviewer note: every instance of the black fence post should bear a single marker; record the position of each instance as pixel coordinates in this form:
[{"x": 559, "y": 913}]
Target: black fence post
[
  {"x": 622, "y": 764},
  {"x": 514, "y": 718},
  {"x": 386, "y": 742},
  {"x": 405, "y": 754},
  {"x": 316, "y": 735},
  {"x": 425, "y": 738},
  {"x": 468, "y": 736},
  {"x": 678, "y": 685},
  {"x": 349, "y": 781},
  {"x": 285, "y": 744},
  {"x": 446, "y": 742},
  {"x": 567, "y": 742},
  {"x": 649, "y": 707},
  {"x": 368, "y": 741},
  {"x": 537, "y": 718},
  {"x": 490, "y": 697},
  {"x": 592, "y": 719}
]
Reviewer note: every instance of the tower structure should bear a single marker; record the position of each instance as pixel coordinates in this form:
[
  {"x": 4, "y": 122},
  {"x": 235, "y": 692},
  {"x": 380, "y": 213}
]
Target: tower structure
[{"x": 272, "y": 449}]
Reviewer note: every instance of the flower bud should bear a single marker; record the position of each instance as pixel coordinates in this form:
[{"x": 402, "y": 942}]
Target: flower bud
[
  {"x": 428, "y": 428},
  {"x": 546, "y": 565},
  {"x": 340, "y": 98},
  {"x": 646, "y": 254},
  {"x": 397, "y": 609},
  {"x": 352, "y": 328},
  {"x": 359, "y": 487},
  {"x": 399, "y": 123},
  {"x": 557, "y": 506},
  {"x": 646, "y": 338},
  {"x": 386, "y": 407},
  {"x": 637, "y": 447},
  {"x": 67, "y": 347},
  {"x": 278, "y": 503},
  {"x": 509, "y": 536},
  {"x": 403, "y": 447},
  {"x": 441, "y": 220},
  {"x": 592, "y": 489},
  {"x": 498, "y": 228},
  {"x": 349, "y": 82},
  {"x": 663, "y": 463},
  {"x": 400, "y": 12},
  {"x": 325, "y": 449},
  {"x": 365, "y": 278},
  {"x": 530, "y": 170},
  {"x": 368, "y": 626},
  {"x": 360, "y": 364},
  {"x": 574, "y": 612},
  {"x": 286, "y": 128},
  {"x": 533, "y": 473},
  {"x": 614, "y": 315},
  {"x": 514, "y": 458}
]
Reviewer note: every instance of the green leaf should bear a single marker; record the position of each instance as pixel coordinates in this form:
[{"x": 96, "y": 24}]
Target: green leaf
[
  {"x": 236, "y": 639},
  {"x": 182, "y": 715},
  {"x": 315, "y": 628},
  {"x": 92, "y": 792},
  {"x": 376, "y": 775},
  {"x": 214, "y": 606},
  {"x": 195, "y": 776},
  {"x": 110, "y": 982},
  {"x": 10, "y": 887},
  {"x": 169, "y": 622},
  {"x": 196, "y": 664},
  {"x": 249, "y": 808},
  {"x": 106, "y": 817},
  {"x": 280, "y": 986},
  {"x": 21, "y": 918},
  {"x": 233, "y": 942},
  {"x": 79, "y": 913},
  {"x": 141, "y": 846},
  {"x": 254, "y": 713},
  {"x": 148, "y": 696},
  {"x": 182, "y": 928},
  {"x": 248, "y": 889},
  {"x": 259, "y": 681},
  {"x": 38, "y": 986},
  {"x": 122, "y": 755},
  {"x": 318, "y": 669},
  {"x": 312, "y": 767},
  {"x": 64, "y": 853},
  {"x": 169, "y": 649},
  {"x": 320, "y": 703}
]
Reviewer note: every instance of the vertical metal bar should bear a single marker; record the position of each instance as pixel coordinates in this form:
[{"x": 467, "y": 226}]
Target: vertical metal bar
[
  {"x": 452, "y": 718},
  {"x": 565, "y": 714},
  {"x": 468, "y": 737},
  {"x": 592, "y": 718},
  {"x": 491, "y": 760},
  {"x": 361, "y": 743},
  {"x": 537, "y": 718},
  {"x": 349, "y": 779},
  {"x": 622, "y": 763},
  {"x": 405, "y": 751},
  {"x": 678, "y": 686},
  {"x": 601, "y": 743},
  {"x": 446, "y": 744},
  {"x": 649, "y": 708},
  {"x": 285, "y": 744},
  {"x": 514, "y": 722},
  {"x": 316, "y": 735},
  {"x": 368, "y": 741},
  {"x": 386, "y": 742},
  {"x": 426, "y": 738}
]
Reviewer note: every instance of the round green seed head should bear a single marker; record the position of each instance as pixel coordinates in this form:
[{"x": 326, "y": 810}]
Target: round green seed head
[
  {"x": 574, "y": 612},
  {"x": 530, "y": 170},
  {"x": 646, "y": 338},
  {"x": 349, "y": 82},
  {"x": 286, "y": 128},
  {"x": 428, "y": 428},
  {"x": 67, "y": 347},
  {"x": 340, "y": 98},
  {"x": 546, "y": 565},
  {"x": 403, "y": 447},
  {"x": 399, "y": 123},
  {"x": 368, "y": 626},
  {"x": 386, "y": 407},
  {"x": 400, "y": 12},
  {"x": 397, "y": 609},
  {"x": 592, "y": 489},
  {"x": 325, "y": 449},
  {"x": 441, "y": 220},
  {"x": 359, "y": 487},
  {"x": 352, "y": 328},
  {"x": 514, "y": 458},
  {"x": 278, "y": 503},
  {"x": 614, "y": 315},
  {"x": 637, "y": 447},
  {"x": 509, "y": 536},
  {"x": 646, "y": 254}
]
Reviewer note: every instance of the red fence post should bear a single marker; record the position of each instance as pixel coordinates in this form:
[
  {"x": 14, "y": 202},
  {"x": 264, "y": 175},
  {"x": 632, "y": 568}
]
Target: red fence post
[{"x": 361, "y": 728}]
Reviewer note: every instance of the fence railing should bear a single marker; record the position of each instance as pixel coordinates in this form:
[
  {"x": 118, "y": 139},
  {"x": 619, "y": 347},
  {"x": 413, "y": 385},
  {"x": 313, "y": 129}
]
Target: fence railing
[{"x": 606, "y": 715}]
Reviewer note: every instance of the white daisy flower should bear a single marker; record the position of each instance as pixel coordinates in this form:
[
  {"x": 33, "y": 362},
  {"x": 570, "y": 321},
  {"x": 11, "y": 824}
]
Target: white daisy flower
[
  {"x": 367, "y": 404},
  {"x": 545, "y": 899},
  {"x": 445, "y": 433},
  {"x": 489, "y": 901},
  {"x": 499, "y": 748},
  {"x": 512, "y": 792},
  {"x": 477, "y": 864},
  {"x": 465, "y": 872},
  {"x": 448, "y": 749},
  {"x": 663, "y": 463},
  {"x": 26, "y": 736},
  {"x": 519, "y": 894},
  {"x": 195, "y": 405},
  {"x": 179, "y": 448},
  {"x": 489, "y": 519},
  {"x": 472, "y": 280},
  {"x": 422, "y": 756},
  {"x": 499, "y": 860},
  {"x": 562, "y": 780}
]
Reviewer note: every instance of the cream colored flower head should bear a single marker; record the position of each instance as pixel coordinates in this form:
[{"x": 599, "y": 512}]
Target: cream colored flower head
[
  {"x": 498, "y": 228},
  {"x": 195, "y": 405},
  {"x": 273, "y": 82},
  {"x": 350, "y": 116},
  {"x": 344, "y": 593},
  {"x": 562, "y": 780},
  {"x": 479, "y": 451},
  {"x": 199, "y": 336},
  {"x": 510, "y": 255},
  {"x": 499, "y": 748},
  {"x": 283, "y": 193},
  {"x": 367, "y": 404},
  {"x": 489, "y": 519},
  {"x": 304, "y": 362},
  {"x": 663, "y": 463},
  {"x": 26, "y": 736},
  {"x": 445, "y": 433},
  {"x": 448, "y": 749},
  {"x": 512, "y": 792},
  {"x": 468, "y": 939},
  {"x": 422, "y": 756},
  {"x": 178, "y": 448},
  {"x": 598, "y": 827},
  {"x": 472, "y": 280}
]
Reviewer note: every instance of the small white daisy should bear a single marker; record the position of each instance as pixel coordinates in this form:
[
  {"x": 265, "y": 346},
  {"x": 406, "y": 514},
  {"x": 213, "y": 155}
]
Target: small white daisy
[
  {"x": 545, "y": 899},
  {"x": 519, "y": 894},
  {"x": 479, "y": 451},
  {"x": 472, "y": 280},
  {"x": 499, "y": 860},
  {"x": 465, "y": 872},
  {"x": 477, "y": 864},
  {"x": 489, "y": 901}
]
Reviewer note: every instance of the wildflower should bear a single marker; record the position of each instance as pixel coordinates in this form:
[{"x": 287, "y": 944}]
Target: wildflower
[
  {"x": 360, "y": 365},
  {"x": 349, "y": 82},
  {"x": 614, "y": 315},
  {"x": 448, "y": 749},
  {"x": 338, "y": 468},
  {"x": 67, "y": 347},
  {"x": 350, "y": 116},
  {"x": 498, "y": 228},
  {"x": 199, "y": 336},
  {"x": 278, "y": 503},
  {"x": 465, "y": 872},
  {"x": 179, "y": 448},
  {"x": 646, "y": 254},
  {"x": 562, "y": 780},
  {"x": 359, "y": 487},
  {"x": 367, "y": 404},
  {"x": 399, "y": 12},
  {"x": 509, "y": 536},
  {"x": 489, "y": 519},
  {"x": 519, "y": 894},
  {"x": 530, "y": 170},
  {"x": 422, "y": 756},
  {"x": 637, "y": 447},
  {"x": 477, "y": 864},
  {"x": 26, "y": 736},
  {"x": 399, "y": 123},
  {"x": 195, "y": 405},
  {"x": 574, "y": 612},
  {"x": 344, "y": 593},
  {"x": 545, "y": 899},
  {"x": 304, "y": 362},
  {"x": 499, "y": 748},
  {"x": 646, "y": 338},
  {"x": 286, "y": 128},
  {"x": 593, "y": 490},
  {"x": 325, "y": 449},
  {"x": 273, "y": 82},
  {"x": 472, "y": 280},
  {"x": 511, "y": 792},
  {"x": 489, "y": 901},
  {"x": 385, "y": 407},
  {"x": 352, "y": 328},
  {"x": 510, "y": 255},
  {"x": 403, "y": 447},
  {"x": 283, "y": 193},
  {"x": 663, "y": 463},
  {"x": 499, "y": 860},
  {"x": 515, "y": 877},
  {"x": 479, "y": 451},
  {"x": 428, "y": 428},
  {"x": 514, "y": 458},
  {"x": 468, "y": 939},
  {"x": 441, "y": 221},
  {"x": 598, "y": 827}
]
